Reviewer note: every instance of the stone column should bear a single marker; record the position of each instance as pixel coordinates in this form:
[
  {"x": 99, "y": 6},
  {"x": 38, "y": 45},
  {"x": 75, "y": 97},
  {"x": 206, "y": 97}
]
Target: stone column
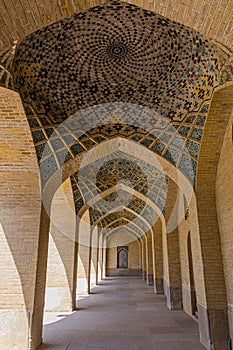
[
  {"x": 149, "y": 275},
  {"x": 100, "y": 258},
  {"x": 60, "y": 284},
  {"x": 157, "y": 247},
  {"x": 84, "y": 232},
  {"x": 94, "y": 257},
  {"x": 174, "y": 288},
  {"x": 144, "y": 258}
]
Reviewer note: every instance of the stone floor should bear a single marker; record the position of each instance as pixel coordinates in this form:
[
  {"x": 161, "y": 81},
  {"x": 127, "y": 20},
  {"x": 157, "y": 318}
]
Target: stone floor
[{"x": 120, "y": 314}]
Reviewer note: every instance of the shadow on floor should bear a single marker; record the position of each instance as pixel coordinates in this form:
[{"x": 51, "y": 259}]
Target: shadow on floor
[{"x": 121, "y": 314}]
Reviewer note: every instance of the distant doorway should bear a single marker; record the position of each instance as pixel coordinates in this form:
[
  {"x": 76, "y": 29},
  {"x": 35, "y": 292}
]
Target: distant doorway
[{"x": 122, "y": 257}]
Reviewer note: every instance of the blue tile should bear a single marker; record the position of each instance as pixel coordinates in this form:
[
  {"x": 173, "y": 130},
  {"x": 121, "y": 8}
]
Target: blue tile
[
  {"x": 184, "y": 130},
  {"x": 172, "y": 155},
  {"x": 188, "y": 166},
  {"x": 63, "y": 156},
  {"x": 57, "y": 144},
  {"x": 165, "y": 137},
  {"x": 158, "y": 147},
  {"x": 77, "y": 148},
  {"x": 201, "y": 119},
  {"x": 197, "y": 134},
  {"x": 38, "y": 136},
  {"x": 47, "y": 168},
  {"x": 42, "y": 150},
  {"x": 193, "y": 148},
  {"x": 178, "y": 142}
]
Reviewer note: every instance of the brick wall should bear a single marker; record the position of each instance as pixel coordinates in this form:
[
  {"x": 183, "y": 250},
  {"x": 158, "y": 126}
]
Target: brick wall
[
  {"x": 224, "y": 201},
  {"x": 19, "y": 220},
  {"x": 134, "y": 252},
  {"x": 211, "y": 18}
]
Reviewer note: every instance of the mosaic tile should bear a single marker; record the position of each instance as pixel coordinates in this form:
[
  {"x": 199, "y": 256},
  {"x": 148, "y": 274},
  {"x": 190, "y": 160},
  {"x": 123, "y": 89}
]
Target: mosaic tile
[
  {"x": 172, "y": 155},
  {"x": 38, "y": 136},
  {"x": 165, "y": 137},
  {"x": 193, "y": 148},
  {"x": 178, "y": 142},
  {"x": 33, "y": 123},
  {"x": 69, "y": 140},
  {"x": 197, "y": 134},
  {"x": 109, "y": 174},
  {"x": 56, "y": 143},
  {"x": 146, "y": 142},
  {"x": 42, "y": 150},
  {"x": 188, "y": 165},
  {"x": 47, "y": 168},
  {"x": 53, "y": 78},
  {"x": 63, "y": 156},
  {"x": 77, "y": 148},
  {"x": 184, "y": 130},
  {"x": 56, "y": 64},
  {"x": 201, "y": 119},
  {"x": 158, "y": 147},
  {"x": 50, "y": 132}
]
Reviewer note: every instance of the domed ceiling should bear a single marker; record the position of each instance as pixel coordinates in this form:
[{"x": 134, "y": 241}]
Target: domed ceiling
[
  {"x": 116, "y": 60},
  {"x": 115, "y": 52},
  {"x": 116, "y": 70}
]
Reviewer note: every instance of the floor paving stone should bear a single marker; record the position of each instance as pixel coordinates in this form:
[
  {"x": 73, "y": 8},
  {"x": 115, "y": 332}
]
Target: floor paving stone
[{"x": 121, "y": 314}]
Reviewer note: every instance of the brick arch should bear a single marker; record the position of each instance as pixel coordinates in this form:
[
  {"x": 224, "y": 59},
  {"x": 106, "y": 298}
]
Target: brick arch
[
  {"x": 115, "y": 230},
  {"x": 100, "y": 217},
  {"x": 224, "y": 209},
  {"x": 216, "y": 298},
  {"x": 108, "y": 147},
  {"x": 179, "y": 92}
]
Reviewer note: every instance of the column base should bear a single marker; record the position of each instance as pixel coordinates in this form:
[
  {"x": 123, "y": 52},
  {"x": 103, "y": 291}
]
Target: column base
[
  {"x": 14, "y": 329},
  {"x": 230, "y": 317},
  {"x": 213, "y": 328},
  {"x": 174, "y": 298},
  {"x": 58, "y": 299},
  {"x": 150, "y": 279},
  {"x": 158, "y": 286},
  {"x": 82, "y": 286},
  {"x": 21, "y": 329},
  {"x": 144, "y": 275}
]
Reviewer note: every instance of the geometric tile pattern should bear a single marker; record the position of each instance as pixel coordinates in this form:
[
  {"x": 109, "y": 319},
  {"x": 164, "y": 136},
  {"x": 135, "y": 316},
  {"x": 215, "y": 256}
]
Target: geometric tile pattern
[
  {"x": 117, "y": 70},
  {"x": 120, "y": 207},
  {"x": 78, "y": 198},
  {"x": 115, "y": 52},
  {"x": 67, "y": 140}
]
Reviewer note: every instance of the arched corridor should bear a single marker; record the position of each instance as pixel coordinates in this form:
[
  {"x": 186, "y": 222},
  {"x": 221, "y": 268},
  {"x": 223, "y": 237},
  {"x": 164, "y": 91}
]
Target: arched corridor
[
  {"x": 116, "y": 163},
  {"x": 121, "y": 313}
]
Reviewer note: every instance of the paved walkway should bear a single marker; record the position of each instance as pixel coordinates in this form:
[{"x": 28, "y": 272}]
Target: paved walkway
[{"x": 120, "y": 314}]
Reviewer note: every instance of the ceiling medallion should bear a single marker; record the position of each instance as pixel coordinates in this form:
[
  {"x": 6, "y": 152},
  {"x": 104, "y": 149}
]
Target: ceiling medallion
[{"x": 116, "y": 50}]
